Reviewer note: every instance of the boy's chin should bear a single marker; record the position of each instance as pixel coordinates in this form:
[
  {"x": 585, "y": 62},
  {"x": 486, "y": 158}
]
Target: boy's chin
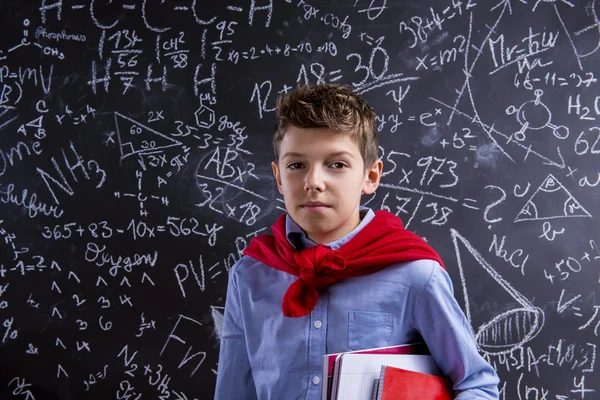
[
  {"x": 311, "y": 228},
  {"x": 320, "y": 233}
]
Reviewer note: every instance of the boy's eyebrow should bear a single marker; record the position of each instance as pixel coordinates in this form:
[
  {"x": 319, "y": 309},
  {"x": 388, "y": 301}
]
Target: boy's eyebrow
[{"x": 336, "y": 154}]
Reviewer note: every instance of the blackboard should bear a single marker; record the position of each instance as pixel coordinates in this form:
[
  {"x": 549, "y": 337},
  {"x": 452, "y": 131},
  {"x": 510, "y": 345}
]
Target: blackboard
[{"x": 135, "y": 143}]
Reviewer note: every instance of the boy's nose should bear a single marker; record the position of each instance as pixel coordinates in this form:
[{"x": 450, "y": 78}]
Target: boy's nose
[{"x": 314, "y": 181}]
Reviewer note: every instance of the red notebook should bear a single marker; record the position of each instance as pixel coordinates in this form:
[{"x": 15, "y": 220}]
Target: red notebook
[
  {"x": 401, "y": 384},
  {"x": 329, "y": 361}
]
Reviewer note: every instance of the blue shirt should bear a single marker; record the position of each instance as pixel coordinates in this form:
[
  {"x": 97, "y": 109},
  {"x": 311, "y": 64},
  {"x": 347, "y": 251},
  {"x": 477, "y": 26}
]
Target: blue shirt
[{"x": 267, "y": 356}]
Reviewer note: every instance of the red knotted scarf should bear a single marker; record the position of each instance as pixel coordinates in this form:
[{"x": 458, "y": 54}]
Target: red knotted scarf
[{"x": 382, "y": 242}]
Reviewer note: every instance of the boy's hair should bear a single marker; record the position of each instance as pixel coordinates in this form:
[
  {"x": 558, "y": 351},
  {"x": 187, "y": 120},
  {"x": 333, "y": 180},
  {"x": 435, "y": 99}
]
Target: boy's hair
[{"x": 332, "y": 106}]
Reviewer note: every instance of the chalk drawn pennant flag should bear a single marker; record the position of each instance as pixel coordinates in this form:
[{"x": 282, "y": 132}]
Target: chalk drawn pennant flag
[
  {"x": 511, "y": 328},
  {"x": 551, "y": 200},
  {"x": 136, "y": 138}
]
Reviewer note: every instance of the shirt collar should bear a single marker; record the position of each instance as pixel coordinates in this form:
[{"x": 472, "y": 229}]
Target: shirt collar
[{"x": 298, "y": 239}]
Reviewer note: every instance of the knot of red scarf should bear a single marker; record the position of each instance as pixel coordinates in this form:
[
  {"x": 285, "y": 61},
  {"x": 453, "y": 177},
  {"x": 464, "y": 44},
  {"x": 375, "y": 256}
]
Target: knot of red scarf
[
  {"x": 382, "y": 242},
  {"x": 315, "y": 262}
]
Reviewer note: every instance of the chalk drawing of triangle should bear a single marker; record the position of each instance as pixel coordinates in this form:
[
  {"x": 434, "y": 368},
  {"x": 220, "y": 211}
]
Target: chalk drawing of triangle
[
  {"x": 551, "y": 200},
  {"x": 137, "y": 138},
  {"x": 217, "y": 315},
  {"x": 508, "y": 330}
]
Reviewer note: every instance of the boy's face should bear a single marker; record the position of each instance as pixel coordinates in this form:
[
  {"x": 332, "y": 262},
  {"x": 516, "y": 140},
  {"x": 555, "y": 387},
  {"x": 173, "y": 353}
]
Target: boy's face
[{"x": 321, "y": 175}]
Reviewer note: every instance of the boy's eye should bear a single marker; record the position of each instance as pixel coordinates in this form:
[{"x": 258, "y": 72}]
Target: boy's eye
[
  {"x": 295, "y": 165},
  {"x": 338, "y": 165}
]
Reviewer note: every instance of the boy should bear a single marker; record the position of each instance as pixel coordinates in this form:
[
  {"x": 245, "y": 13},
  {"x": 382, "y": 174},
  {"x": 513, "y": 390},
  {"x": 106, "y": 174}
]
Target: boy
[{"x": 335, "y": 276}]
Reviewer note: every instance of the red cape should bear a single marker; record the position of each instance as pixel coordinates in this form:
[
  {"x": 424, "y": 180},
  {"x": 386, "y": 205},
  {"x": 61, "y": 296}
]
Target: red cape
[{"x": 382, "y": 242}]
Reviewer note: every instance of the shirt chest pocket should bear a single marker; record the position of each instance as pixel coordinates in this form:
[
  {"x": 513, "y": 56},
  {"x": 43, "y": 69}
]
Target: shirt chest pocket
[{"x": 369, "y": 329}]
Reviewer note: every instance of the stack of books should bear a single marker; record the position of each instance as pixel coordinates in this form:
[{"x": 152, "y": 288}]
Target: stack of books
[{"x": 406, "y": 372}]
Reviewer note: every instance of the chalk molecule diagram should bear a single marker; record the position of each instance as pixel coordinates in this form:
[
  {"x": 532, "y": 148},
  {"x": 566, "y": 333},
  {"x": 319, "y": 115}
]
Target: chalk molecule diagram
[
  {"x": 25, "y": 42},
  {"x": 535, "y": 115}
]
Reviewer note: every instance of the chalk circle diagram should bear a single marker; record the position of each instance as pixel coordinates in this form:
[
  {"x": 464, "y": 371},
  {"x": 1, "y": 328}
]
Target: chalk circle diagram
[
  {"x": 551, "y": 200},
  {"x": 509, "y": 330},
  {"x": 535, "y": 115},
  {"x": 136, "y": 138}
]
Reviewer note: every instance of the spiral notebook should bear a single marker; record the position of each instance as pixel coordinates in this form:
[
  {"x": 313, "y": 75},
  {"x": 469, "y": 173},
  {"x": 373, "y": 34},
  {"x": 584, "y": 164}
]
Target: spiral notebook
[
  {"x": 356, "y": 374},
  {"x": 329, "y": 361}
]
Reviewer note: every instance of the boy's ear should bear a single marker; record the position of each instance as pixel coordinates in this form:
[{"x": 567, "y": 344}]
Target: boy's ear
[
  {"x": 277, "y": 176},
  {"x": 372, "y": 177}
]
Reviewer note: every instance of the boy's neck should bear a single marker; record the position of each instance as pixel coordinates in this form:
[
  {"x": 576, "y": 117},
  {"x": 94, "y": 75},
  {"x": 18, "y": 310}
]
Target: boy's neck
[{"x": 331, "y": 237}]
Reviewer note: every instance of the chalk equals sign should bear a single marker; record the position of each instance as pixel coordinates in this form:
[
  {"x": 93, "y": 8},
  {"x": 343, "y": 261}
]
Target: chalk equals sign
[
  {"x": 335, "y": 78},
  {"x": 474, "y": 148},
  {"x": 411, "y": 118},
  {"x": 471, "y": 206},
  {"x": 160, "y": 228}
]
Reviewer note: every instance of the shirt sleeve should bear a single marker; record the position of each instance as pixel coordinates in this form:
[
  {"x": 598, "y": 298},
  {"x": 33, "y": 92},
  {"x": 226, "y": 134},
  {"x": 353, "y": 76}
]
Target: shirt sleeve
[
  {"x": 449, "y": 337},
  {"x": 234, "y": 376}
]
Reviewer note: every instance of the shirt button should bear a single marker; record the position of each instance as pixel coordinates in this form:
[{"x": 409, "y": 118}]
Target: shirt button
[
  {"x": 316, "y": 380},
  {"x": 318, "y": 324}
]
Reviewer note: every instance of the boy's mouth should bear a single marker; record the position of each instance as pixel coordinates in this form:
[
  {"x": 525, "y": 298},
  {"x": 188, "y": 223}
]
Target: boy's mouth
[{"x": 314, "y": 206}]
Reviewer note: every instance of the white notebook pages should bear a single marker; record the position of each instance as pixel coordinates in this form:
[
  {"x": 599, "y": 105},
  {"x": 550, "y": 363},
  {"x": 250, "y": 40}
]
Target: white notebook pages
[
  {"x": 329, "y": 360},
  {"x": 357, "y": 373}
]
